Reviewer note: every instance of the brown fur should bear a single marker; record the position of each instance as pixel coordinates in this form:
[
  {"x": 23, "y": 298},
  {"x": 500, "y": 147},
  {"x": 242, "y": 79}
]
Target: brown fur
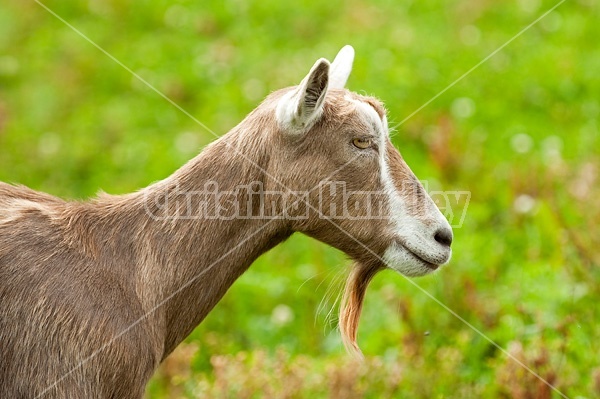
[{"x": 94, "y": 295}]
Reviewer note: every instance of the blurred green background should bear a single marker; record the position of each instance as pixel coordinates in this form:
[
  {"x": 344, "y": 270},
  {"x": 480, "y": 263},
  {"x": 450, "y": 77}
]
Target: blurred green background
[{"x": 520, "y": 133}]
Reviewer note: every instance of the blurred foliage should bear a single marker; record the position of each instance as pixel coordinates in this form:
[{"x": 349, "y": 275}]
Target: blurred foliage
[{"x": 521, "y": 133}]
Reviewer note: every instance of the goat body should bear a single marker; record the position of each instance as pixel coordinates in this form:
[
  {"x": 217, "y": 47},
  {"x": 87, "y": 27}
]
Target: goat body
[{"x": 94, "y": 295}]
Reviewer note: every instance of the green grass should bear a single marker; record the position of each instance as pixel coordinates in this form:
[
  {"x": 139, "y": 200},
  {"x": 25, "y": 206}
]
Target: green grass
[{"x": 520, "y": 133}]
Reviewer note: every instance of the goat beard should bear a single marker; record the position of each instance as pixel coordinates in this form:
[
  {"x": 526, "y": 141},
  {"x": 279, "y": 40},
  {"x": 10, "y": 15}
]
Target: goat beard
[{"x": 352, "y": 304}]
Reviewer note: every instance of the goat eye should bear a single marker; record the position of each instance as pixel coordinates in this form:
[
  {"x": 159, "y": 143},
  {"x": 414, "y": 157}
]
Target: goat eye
[{"x": 361, "y": 143}]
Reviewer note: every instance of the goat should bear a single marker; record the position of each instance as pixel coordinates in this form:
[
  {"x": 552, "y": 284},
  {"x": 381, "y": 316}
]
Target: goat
[{"x": 95, "y": 294}]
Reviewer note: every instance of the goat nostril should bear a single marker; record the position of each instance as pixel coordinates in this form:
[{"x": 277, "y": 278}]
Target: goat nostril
[{"x": 444, "y": 237}]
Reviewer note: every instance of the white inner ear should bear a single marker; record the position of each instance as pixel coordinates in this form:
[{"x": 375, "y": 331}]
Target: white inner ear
[
  {"x": 341, "y": 67},
  {"x": 299, "y": 109}
]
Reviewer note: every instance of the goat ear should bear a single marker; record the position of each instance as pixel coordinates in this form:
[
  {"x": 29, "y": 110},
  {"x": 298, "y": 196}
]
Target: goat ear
[
  {"x": 301, "y": 108},
  {"x": 341, "y": 67}
]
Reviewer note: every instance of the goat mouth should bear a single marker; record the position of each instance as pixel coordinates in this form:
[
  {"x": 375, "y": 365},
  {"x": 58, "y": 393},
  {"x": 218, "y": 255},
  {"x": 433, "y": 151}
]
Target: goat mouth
[{"x": 429, "y": 265}]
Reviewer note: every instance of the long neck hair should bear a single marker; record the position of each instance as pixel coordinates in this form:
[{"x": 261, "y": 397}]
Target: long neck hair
[{"x": 352, "y": 303}]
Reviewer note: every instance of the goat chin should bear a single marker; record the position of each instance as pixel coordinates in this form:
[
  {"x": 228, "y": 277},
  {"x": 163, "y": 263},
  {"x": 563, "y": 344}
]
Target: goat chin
[{"x": 352, "y": 303}]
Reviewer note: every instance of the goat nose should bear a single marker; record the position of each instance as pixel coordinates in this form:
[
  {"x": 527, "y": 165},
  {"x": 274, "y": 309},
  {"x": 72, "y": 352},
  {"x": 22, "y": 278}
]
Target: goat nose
[{"x": 443, "y": 236}]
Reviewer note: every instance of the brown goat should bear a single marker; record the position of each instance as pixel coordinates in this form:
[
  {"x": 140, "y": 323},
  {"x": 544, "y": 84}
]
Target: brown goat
[{"x": 94, "y": 295}]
